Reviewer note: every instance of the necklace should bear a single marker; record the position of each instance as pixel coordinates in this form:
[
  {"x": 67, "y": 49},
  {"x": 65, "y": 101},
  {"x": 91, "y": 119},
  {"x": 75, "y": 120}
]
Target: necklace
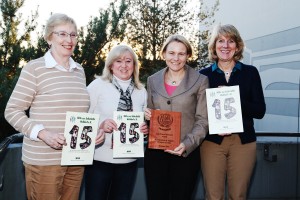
[
  {"x": 226, "y": 65},
  {"x": 227, "y": 73},
  {"x": 174, "y": 82}
]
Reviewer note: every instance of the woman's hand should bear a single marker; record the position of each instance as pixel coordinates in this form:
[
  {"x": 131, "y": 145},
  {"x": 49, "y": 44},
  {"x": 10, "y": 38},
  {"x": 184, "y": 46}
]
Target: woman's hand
[
  {"x": 54, "y": 140},
  {"x": 178, "y": 151},
  {"x": 100, "y": 136},
  {"x": 108, "y": 125},
  {"x": 147, "y": 113},
  {"x": 144, "y": 128}
]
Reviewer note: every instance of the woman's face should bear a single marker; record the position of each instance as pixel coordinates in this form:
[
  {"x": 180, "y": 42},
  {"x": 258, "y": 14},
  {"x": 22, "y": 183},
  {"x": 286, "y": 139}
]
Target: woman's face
[
  {"x": 123, "y": 66},
  {"x": 175, "y": 56},
  {"x": 225, "y": 48},
  {"x": 63, "y": 40}
]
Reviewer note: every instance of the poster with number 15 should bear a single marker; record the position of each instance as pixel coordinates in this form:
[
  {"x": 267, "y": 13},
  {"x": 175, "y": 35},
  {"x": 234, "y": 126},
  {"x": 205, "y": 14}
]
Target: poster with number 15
[
  {"x": 80, "y": 133},
  {"x": 224, "y": 110},
  {"x": 128, "y": 141}
]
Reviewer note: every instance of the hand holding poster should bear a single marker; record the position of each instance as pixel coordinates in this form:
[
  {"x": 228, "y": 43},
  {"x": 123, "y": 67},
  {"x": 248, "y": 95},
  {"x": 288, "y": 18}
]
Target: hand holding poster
[
  {"x": 224, "y": 110},
  {"x": 80, "y": 133},
  {"x": 128, "y": 141}
]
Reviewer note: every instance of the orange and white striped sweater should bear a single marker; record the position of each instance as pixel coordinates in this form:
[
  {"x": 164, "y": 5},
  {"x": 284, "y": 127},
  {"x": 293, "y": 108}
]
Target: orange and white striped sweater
[{"x": 48, "y": 93}]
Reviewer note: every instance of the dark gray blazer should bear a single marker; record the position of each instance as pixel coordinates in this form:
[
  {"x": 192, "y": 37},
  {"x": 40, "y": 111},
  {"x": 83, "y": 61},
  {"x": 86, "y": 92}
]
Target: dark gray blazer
[{"x": 189, "y": 98}]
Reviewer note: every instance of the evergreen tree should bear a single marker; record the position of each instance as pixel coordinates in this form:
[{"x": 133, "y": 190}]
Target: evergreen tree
[
  {"x": 96, "y": 39},
  {"x": 13, "y": 46},
  {"x": 150, "y": 22}
]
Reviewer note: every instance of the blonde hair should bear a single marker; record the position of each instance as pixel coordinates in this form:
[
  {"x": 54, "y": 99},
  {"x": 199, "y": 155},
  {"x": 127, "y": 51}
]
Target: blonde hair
[
  {"x": 230, "y": 31},
  {"x": 115, "y": 53},
  {"x": 56, "y": 20},
  {"x": 177, "y": 38}
]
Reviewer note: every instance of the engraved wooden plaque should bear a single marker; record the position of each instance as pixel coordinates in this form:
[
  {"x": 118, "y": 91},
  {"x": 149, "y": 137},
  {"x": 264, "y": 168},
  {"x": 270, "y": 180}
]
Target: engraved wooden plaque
[{"x": 164, "y": 129}]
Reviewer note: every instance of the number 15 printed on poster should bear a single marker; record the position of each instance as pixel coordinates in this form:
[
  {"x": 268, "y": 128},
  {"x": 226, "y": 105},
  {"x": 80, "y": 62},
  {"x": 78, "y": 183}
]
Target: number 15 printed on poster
[
  {"x": 224, "y": 110},
  {"x": 80, "y": 133},
  {"x": 128, "y": 141}
]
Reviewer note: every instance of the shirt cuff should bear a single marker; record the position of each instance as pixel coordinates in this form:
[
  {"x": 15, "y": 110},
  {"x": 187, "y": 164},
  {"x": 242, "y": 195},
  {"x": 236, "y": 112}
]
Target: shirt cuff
[{"x": 35, "y": 131}]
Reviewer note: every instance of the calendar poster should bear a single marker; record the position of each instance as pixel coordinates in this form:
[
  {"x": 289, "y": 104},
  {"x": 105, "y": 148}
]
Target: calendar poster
[
  {"x": 80, "y": 133},
  {"x": 224, "y": 110},
  {"x": 128, "y": 141}
]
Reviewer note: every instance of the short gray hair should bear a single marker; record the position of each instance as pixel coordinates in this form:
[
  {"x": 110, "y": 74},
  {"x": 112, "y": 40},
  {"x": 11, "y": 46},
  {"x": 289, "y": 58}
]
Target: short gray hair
[{"x": 56, "y": 20}]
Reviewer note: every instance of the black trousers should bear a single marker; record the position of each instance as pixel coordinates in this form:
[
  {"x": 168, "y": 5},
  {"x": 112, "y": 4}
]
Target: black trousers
[
  {"x": 107, "y": 181},
  {"x": 170, "y": 177}
]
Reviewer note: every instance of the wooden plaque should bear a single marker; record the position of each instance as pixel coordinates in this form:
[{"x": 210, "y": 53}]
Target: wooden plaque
[{"x": 164, "y": 129}]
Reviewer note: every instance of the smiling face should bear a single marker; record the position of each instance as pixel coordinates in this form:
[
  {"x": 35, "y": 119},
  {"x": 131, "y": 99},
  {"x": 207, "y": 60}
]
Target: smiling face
[
  {"x": 225, "y": 48},
  {"x": 62, "y": 46},
  {"x": 175, "y": 56},
  {"x": 123, "y": 66}
]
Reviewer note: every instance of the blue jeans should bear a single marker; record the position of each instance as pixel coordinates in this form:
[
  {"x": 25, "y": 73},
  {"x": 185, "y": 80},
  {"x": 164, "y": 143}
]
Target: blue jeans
[{"x": 110, "y": 181}]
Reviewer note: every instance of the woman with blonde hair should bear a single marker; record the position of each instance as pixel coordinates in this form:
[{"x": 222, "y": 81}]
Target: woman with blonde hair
[
  {"x": 231, "y": 156},
  {"x": 172, "y": 173},
  {"x": 118, "y": 89}
]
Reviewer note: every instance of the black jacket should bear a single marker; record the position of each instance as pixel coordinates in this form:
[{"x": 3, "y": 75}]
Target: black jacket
[{"x": 251, "y": 93}]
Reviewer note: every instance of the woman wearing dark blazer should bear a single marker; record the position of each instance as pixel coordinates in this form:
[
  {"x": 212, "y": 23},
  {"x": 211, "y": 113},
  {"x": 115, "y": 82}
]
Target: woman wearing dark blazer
[
  {"x": 172, "y": 174},
  {"x": 231, "y": 156}
]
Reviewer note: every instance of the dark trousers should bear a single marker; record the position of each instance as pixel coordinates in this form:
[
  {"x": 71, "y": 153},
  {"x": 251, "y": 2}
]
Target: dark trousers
[
  {"x": 170, "y": 177},
  {"x": 110, "y": 181}
]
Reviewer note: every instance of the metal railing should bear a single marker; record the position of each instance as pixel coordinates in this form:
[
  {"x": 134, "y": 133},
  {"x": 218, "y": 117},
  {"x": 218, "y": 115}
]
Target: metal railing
[{"x": 268, "y": 153}]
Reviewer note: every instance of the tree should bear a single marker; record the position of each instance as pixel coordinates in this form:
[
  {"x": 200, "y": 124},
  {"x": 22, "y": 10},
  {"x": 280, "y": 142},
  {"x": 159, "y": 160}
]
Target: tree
[
  {"x": 99, "y": 34},
  {"x": 12, "y": 48},
  {"x": 150, "y": 22},
  {"x": 13, "y": 43}
]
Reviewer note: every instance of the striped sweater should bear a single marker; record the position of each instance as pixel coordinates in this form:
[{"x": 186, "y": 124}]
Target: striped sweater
[{"x": 48, "y": 93}]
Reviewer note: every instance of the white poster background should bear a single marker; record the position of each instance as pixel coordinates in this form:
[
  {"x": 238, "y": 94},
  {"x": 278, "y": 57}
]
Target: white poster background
[
  {"x": 128, "y": 141},
  {"x": 80, "y": 133},
  {"x": 224, "y": 110}
]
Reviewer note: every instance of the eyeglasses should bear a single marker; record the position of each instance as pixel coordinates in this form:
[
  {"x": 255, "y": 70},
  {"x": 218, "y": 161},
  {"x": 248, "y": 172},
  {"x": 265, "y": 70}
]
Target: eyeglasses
[{"x": 64, "y": 34}]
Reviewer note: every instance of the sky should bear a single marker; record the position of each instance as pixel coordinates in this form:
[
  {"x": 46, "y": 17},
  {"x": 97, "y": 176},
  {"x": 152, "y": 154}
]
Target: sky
[
  {"x": 79, "y": 10},
  {"x": 281, "y": 16}
]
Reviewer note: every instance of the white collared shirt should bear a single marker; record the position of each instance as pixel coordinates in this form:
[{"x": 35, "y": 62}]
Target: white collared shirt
[{"x": 50, "y": 62}]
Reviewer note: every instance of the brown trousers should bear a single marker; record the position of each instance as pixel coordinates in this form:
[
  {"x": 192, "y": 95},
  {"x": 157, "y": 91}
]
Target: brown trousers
[
  {"x": 53, "y": 182},
  {"x": 231, "y": 160}
]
